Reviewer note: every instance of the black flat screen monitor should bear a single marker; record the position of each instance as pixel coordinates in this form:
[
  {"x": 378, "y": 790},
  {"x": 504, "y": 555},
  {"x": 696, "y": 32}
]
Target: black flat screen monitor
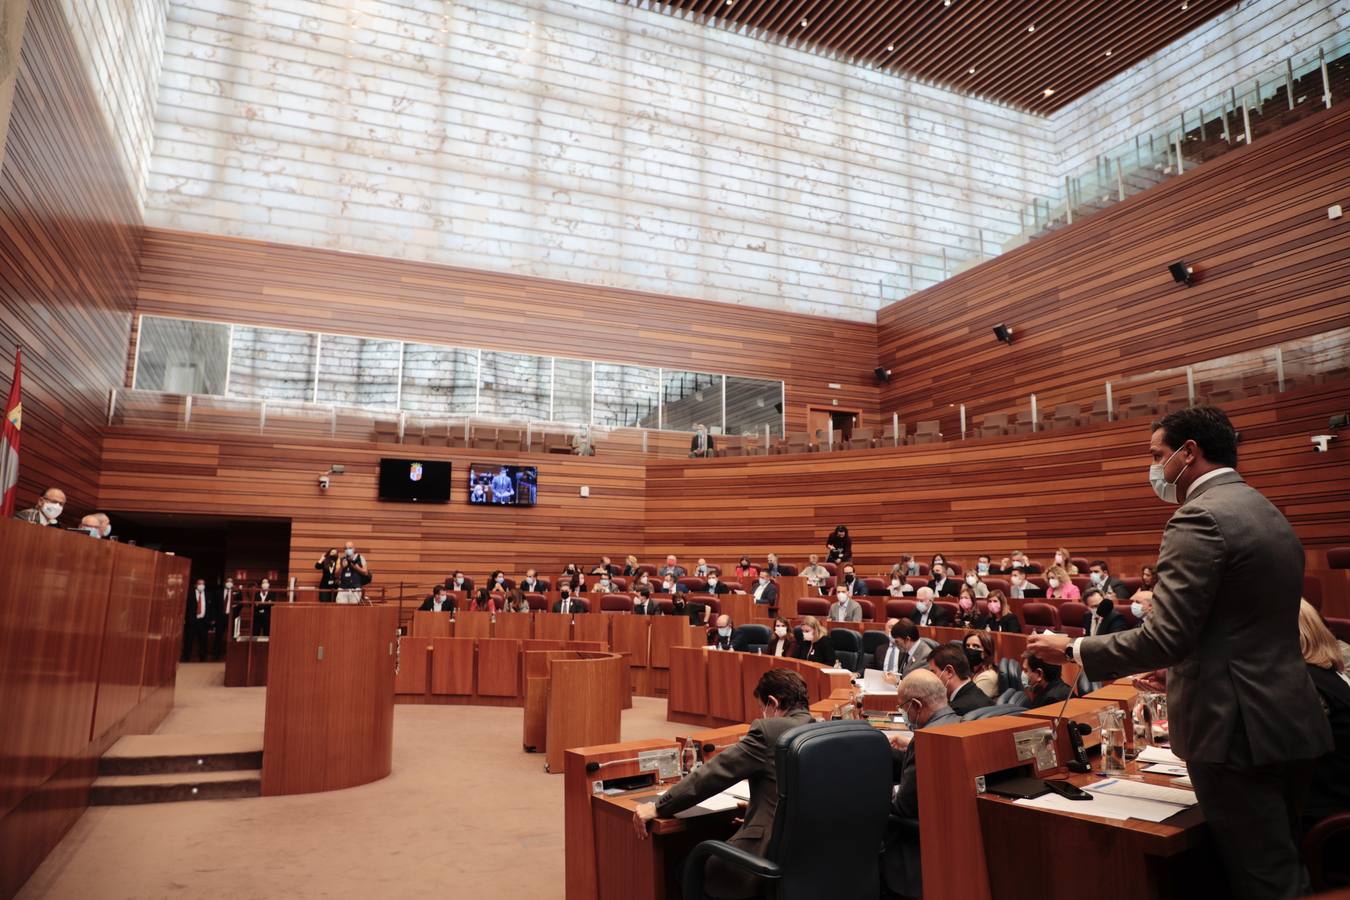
[
  {"x": 415, "y": 480},
  {"x": 496, "y": 484}
]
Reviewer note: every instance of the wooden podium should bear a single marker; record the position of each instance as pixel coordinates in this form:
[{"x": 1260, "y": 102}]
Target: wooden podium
[
  {"x": 572, "y": 698},
  {"x": 330, "y": 697}
]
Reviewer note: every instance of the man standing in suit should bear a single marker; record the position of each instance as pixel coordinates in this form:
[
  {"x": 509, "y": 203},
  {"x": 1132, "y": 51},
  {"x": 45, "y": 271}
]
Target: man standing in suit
[
  {"x": 1242, "y": 710},
  {"x": 196, "y": 621},
  {"x": 784, "y": 700},
  {"x": 952, "y": 667},
  {"x": 223, "y": 608},
  {"x": 766, "y": 592},
  {"x": 926, "y": 612},
  {"x": 1102, "y": 616},
  {"x": 844, "y": 608}
]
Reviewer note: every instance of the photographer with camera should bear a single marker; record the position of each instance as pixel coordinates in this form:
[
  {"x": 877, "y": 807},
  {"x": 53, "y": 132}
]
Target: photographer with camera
[
  {"x": 328, "y": 577},
  {"x": 352, "y": 575}
]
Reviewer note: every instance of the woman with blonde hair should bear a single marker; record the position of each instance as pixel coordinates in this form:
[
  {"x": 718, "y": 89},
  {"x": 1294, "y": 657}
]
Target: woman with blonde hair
[
  {"x": 630, "y": 567},
  {"x": 815, "y": 644},
  {"x": 1064, "y": 558},
  {"x": 1058, "y": 585},
  {"x": 1329, "y": 791}
]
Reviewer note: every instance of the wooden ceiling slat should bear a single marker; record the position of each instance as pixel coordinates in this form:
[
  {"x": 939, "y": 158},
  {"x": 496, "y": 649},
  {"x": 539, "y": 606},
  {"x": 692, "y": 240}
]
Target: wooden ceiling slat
[{"x": 939, "y": 44}]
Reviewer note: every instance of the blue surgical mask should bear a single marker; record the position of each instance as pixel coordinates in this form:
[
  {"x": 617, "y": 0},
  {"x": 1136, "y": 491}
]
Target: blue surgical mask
[
  {"x": 1157, "y": 477},
  {"x": 1137, "y": 610},
  {"x": 724, "y": 632},
  {"x": 350, "y": 552},
  {"x": 1026, "y": 680}
]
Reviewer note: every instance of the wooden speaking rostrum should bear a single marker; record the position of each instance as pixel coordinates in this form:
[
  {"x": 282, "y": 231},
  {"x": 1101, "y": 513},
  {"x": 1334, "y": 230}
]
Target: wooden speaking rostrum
[{"x": 330, "y": 697}]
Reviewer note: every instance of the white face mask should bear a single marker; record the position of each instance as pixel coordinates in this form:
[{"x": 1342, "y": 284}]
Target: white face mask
[
  {"x": 1059, "y": 559},
  {"x": 922, "y": 606},
  {"x": 724, "y": 632},
  {"x": 51, "y": 510},
  {"x": 1053, "y": 582},
  {"x": 970, "y": 579},
  {"x": 712, "y": 582},
  {"x": 1157, "y": 477},
  {"x": 1137, "y": 610},
  {"x": 780, "y": 631},
  {"x": 843, "y": 598},
  {"x": 1097, "y": 578},
  {"x": 808, "y": 635},
  {"x": 982, "y": 568},
  {"x": 895, "y": 582}
]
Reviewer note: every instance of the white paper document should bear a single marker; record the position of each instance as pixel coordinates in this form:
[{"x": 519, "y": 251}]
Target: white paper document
[
  {"x": 1138, "y": 790},
  {"x": 1184, "y": 781},
  {"x": 1160, "y": 755},
  {"x": 731, "y": 798},
  {"x": 1106, "y": 806},
  {"x": 1165, "y": 769},
  {"x": 874, "y": 682}
]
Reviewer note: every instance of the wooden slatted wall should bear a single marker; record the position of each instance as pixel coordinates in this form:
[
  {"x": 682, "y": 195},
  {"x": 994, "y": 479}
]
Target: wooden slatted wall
[
  {"x": 230, "y": 279},
  {"x": 1086, "y": 489},
  {"x": 69, "y": 232},
  {"x": 251, "y": 476},
  {"x": 1094, "y": 301}
]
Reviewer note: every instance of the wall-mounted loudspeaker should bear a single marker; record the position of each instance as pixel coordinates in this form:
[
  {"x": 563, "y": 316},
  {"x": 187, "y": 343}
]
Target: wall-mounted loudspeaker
[{"x": 1003, "y": 332}]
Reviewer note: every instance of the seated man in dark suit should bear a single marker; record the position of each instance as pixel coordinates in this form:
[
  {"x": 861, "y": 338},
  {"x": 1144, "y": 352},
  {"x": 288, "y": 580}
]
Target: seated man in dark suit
[
  {"x": 856, "y": 586},
  {"x": 439, "y": 601},
  {"x": 457, "y": 582},
  {"x": 923, "y": 700},
  {"x": 784, "y": 699},
  {"x": 1102, "y": 616},
  {"x": 887, "y": 656},
  {"x": 952, "y": 667},
  {"x": 1111, "y": 586},
  {"x": 941, "y": 585},
  {"x": 569, "y": 604},
  {"x": 644, "y": 605},
  {"x": 765, "y": 591},
  {"x": 927, "y": 612},
  {"x": 720, "y": 636},
  {"x": 1042, "y": 682},
  {"x": 532, "y": 584},
  {"x": 672, "y": 567},
  {"x": 717, "y": 585}
]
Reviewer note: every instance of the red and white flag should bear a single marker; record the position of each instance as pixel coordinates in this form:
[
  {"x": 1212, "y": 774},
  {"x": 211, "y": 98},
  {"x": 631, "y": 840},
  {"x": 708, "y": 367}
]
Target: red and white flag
[{"x": 9, "y": 442}]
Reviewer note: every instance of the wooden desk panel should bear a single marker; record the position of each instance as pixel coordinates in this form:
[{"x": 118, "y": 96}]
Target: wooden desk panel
[
  {"x": 430, "y": 624},
  {"x": 536, "y": 644},
  {"x": 739, "y": 606},
  {"x": 725, "y": 700},
  {"x": 473, "y": 624},
  {"x": 414, "y": 667},
  {"x": 688, "y": 681},
  {"x": 585, "y": 701},
  {"x": 517, "y": 626},
  {"x": 122, "y": 656},
  {"x": 635, "y": 869},
  {"x": 552, "y": 626},
  {"x": 666, "y": 632},
  {"x": 753, "y": 667},
  {"x": 452, "y": 666},
  {"x": 790, "y": 590},
  {"x": 592, "y": 626},
  {"x": 629, "y": 635},
  {"x": 498, "y": 668},
  {"x": 329, "y": 722}
]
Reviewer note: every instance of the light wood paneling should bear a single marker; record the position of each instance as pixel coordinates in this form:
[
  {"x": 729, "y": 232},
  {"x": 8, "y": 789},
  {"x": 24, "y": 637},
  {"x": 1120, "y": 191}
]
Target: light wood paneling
[
  {"x": 1095, "y": 301},
  {"x": 229, "y": 279},
  {"x": 69, "y": 238}
]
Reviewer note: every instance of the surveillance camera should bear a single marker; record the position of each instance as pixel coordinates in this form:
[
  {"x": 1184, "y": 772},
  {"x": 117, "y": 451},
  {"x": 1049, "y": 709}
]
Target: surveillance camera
[
  {"x": 1321, "y": 442},
  {"x": 323, "y": 482}
]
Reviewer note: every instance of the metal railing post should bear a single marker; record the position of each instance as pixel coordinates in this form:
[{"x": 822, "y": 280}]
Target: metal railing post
[
  {"x": 1110, "y": 404},
  {"x": 1190, "y": 385},
  {"x": 187, "y": 410},
  {"x": 1035, "y": 419},
  {"x": 1289, "y": 80},
  {"x": 1120, "y": 179},
  {"x": 1326, "y": 79},
  {"x": 1246, "y": 123},
  {"x": 1279, "y": 369},
  {"x": 112, "y": 404},
  {"x": 1068, "y": 198}
]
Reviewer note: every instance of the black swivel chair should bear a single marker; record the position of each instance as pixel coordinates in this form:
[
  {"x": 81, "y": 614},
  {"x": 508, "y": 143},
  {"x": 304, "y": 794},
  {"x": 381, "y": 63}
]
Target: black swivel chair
[
  {"x": 871, "y": 640},
  {"x": 1009, "y": 674},
  {"x": 848, "y": 649},
  {"x": 750, "y": 637},
  {"x": 834, "y": 794},
  {"x": 1012, "y": 697}
]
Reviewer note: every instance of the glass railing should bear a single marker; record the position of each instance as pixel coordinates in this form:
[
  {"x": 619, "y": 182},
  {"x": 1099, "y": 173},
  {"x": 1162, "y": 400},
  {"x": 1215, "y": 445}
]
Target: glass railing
[
  {"x": 1220, "y": 381},
  {"x": 1248, "y": 110}
]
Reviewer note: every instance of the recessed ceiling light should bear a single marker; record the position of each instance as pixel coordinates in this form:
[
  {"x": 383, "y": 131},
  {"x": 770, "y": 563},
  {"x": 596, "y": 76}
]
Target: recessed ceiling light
[
  {"x": 972, "y": 70},
  {"x": 1031, "y": 28},
  {"x": 1048, "y": 91},
  {"x": 1185, "y": 6},
  {"x": 946, "y": 2},
  {"x": 890, "y": 48},
  {"x": 729, "y": 2},
  {"x": 805, "y": 23},
  {"x": 1108, "y": 52}
]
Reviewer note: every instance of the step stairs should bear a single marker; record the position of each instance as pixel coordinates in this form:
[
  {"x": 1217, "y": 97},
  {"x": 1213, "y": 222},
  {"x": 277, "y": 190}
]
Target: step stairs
[{"x": 172, "y": 768}]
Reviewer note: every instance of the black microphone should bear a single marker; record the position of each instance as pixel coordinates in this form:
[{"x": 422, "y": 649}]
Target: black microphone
[{"x": 1076, "y": 731}]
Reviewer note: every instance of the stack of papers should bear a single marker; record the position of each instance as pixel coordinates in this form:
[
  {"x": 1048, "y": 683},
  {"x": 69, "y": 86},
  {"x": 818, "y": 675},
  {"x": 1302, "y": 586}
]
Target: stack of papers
[
  {"x": 874, "y": 682},
  {"x": 1114, "y": 798},
  {"x": 1160, "y": 755},
  {"x": 731, "y": 798}
]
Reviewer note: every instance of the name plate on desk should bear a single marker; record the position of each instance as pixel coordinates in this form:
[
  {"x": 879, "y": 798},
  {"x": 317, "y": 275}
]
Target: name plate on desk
[{"x": 1037, "y": 744}]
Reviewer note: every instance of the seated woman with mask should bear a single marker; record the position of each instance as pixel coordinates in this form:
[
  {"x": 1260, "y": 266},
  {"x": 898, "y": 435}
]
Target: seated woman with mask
[
  {"x": 998, "y": 617},
  {"x": 782, "y": 643},
  {"x": 815, "y": 644}
]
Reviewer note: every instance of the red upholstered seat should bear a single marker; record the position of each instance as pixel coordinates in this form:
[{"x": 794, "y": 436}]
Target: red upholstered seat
[
  {"x": 1073, "y": 618},
  {"x": 1339, "y": 557},
  {"x": 538, "y": 602},
  {"x": 1040, "y": 616},
  {"x": 1312, "y": 590},
  {"x": 876, "y": 586},
  {"x": 707, "y": 600},
  {"x": 787, "y": 569},
  {"x": 951, "y": 607},
  {"x": 832, "y": 568},
  {"x": 995, "y": 583},
  {"x": 648, "y": 568},
  {"x": 899, "y": 609},
  {"x": 616, "y": 603},
  {"x": 1082, "y": 582},
  {"x": 813, "y": 606},
  {"x": 1081, "y": 563},
  {"x": 869, "y": 609},
  {"x": 1340, "y": 628},
  {"x": 916, "y": 581},
  {"x": 693, "y": 583}
]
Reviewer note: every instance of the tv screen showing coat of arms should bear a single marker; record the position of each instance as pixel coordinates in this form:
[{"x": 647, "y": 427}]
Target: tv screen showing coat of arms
[
  {"x": 495, "y": 484},
  {"x": 415, "y": 480}
]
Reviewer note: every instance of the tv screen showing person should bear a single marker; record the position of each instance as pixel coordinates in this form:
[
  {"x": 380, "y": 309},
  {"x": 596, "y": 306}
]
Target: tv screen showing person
[{"x": 503, "y": 485}]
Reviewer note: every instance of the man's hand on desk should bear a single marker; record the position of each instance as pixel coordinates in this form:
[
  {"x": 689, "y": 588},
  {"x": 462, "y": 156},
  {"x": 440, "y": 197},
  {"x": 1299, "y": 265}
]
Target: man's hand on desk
[
  {"x": 900, "y": 739},
  {"x": 890, "y": 677},
  {"x": 1049, "y": 648},
  {"x": 643, "y": 814},
  {"x": 1155, "y": 682}
]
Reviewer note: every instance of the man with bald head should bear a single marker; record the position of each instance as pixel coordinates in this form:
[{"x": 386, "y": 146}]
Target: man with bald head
[
  {"x": 923, "y": 700},
  {"x": 47, "y": 510}
]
